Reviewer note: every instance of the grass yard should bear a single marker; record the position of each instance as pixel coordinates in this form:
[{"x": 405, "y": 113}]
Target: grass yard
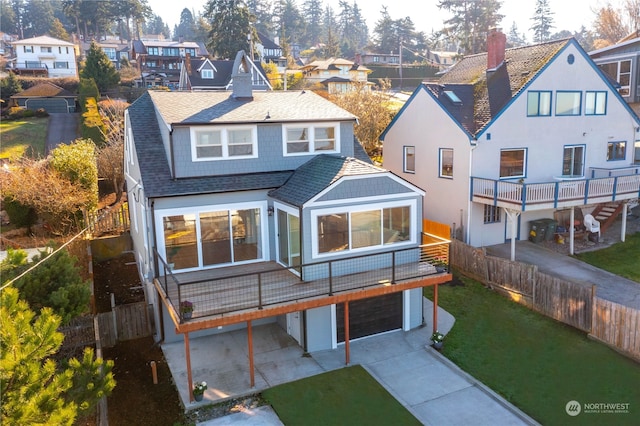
[
  {"x": 617, "y": 258},
  {"x": 536, "y": 363},
  {"x": 348, "y": 396},
  {"x": 23, "y": 137}
]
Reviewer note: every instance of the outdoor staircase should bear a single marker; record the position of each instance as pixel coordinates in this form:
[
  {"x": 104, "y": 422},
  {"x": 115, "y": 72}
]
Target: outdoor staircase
[{"x": 606, "y": 214}]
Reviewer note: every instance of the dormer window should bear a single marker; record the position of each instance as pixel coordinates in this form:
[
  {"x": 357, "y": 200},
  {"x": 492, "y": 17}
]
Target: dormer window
[
  {"x": 308, "y": 139},
  {"x": 206, "y": 73},
  {"x": 215, "y": 143}
]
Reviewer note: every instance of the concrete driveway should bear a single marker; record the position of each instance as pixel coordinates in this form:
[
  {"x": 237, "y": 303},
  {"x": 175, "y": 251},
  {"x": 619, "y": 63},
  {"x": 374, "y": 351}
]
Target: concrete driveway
[{"x": 63, "y": 128}]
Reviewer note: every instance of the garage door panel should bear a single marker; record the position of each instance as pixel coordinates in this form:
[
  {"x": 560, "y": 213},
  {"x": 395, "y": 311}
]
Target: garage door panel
[
  {"x": 370, "y": 316},
  {"x": 50, "y": 105}
]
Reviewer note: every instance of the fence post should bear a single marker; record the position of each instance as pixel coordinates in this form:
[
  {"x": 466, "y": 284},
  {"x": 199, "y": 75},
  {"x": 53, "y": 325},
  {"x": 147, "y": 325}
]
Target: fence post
[
  {"x": 113, "y": 316},
  {"x": 534, "y": 286},
  {"x": 594, "y": 313},
  {"x": 330, "y": 280},
  {"x": 393, "y": 267}
]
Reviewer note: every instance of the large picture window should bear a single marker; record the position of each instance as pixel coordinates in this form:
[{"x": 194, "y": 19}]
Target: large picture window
[
  {"x": 513, "y": 163},
  {"x": 213, "y": 237},
  {"x": 377, "y": 227},
  {"x": 595, "y": 103},
  {"x": 221, "y": 143},
  {"x": 446, "y": 163},
  {"x": 573, "y": 161},
  {"x": 538, "y": 103},
  {"x": 308, "y": 139},
  {"x": 568, "y": 103},
  {"x": 616, "y": 151}
]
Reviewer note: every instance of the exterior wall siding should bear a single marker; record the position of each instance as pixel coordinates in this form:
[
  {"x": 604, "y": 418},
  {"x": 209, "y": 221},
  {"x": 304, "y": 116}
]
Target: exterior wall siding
[
  {"x": 270, "y": 153},
  {"x": 350, "y": 189},
  {"x": 319, "y": 329}
]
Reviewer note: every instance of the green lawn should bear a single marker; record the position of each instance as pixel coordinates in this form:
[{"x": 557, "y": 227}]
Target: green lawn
[
  {"x": 23, "y": 137},
  {"x": 536, "y": 363},
  {"x": 618, "y": 258},
  {"x": 348, "y": 396}
]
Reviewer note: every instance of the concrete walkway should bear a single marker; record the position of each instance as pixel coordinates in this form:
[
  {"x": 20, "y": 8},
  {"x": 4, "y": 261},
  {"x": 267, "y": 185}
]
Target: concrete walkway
[{"x": 432, "y": 388}]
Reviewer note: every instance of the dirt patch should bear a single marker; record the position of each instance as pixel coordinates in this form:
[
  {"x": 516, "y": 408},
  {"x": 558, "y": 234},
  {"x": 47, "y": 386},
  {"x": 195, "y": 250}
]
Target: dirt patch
[{"x": 120, "y": 277}]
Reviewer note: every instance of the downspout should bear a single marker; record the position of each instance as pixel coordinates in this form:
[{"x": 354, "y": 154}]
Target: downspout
[
  {"x": 156, "y": 270},
  {"x": 467, "y": 237},
  {"x": 171, "y": 154},
  {"x": 304, "y": 313}
]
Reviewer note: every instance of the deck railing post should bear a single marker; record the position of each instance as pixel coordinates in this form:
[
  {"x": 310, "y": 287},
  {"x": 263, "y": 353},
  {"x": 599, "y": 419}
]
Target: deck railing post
[
  {"x": 330, "y": 280},
  {"x": 393, "y": 267},
  {"x": 259, "y": 290}
]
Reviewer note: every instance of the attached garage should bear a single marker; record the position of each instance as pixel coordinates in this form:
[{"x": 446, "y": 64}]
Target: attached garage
[
  {"x": 51, "y": 105},
  {"x": 54, "y": 99},
  {"x": 370, "y": 316}
]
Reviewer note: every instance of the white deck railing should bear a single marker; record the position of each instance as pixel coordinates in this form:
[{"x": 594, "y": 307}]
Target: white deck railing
[{"x": 537, "y": 196}]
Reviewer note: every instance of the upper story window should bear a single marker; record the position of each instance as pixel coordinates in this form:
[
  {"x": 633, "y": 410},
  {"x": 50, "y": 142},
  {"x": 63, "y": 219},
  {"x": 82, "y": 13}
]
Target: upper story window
[
  {"x": 376, "y": 59},
  {"x": 45, "y": 49},
  {"x": 616, "y": 151},
  {"x": 568, "y": 103},
  {"x": 206, "y": 73},
  {"x": 110, "y": 52},
  {"x": 171, "y": 51},
  {"x": 538, "y": 103},
  {"x": 222, "y": 143},
  {"x": 595, "y": 103},
  {"x": 620, "y": 71},
  {"x": 446, "y": 163},
  {"x": 636, "y": 155},
  {"x": 409, "y": 159},
  {"x": 344, "y": 69},
  {"x": 308, "y": 139},
  {"x": 190, "y": 50},
  {"x": 153, "y": 51},
  {"x": 573, "y": 160},
  {"x": 513, "y": 163},
  {"x": 28, "y": 49},
  {"x": 61, "y": 65}
]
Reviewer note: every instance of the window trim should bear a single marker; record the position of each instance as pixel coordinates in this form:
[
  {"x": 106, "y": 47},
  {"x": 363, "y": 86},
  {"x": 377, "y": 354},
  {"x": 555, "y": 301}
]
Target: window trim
[
  {"x": 441, "y": 174},
  {"x": 614, "y": 143},
  {"x": 494, "y": 215},
  {"x": 311, "y": 138},
  {"x": 595, "y": 100},
  {"x": 524, "y": 165},
  {"x": 579, "y": 103},
  {"x": 349, "y": 210},
  {"x": 224, "y": 140},
  {"x": 538, "y": 93},
  {"x": 208, "y": 72},
  {"x": 196, "y": 212},
  {"x": 584, "y": 154},
  {"x": 405, "y": 155}
]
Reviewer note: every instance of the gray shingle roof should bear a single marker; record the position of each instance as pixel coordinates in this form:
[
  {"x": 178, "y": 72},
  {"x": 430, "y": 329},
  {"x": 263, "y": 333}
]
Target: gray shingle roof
[
  {"x": 319, "y": 173},
  {"x": 220, "y": 107},
  {"x": 492, "y": 91}
]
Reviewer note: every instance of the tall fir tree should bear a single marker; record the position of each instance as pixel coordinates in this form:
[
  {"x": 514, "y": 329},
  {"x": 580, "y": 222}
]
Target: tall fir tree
[
  {"x": 471, "y": 22},
  {"x": 98, "y": 67},
  {"x": 542, "y": 21},
  {"x": 231, "y": 28}
]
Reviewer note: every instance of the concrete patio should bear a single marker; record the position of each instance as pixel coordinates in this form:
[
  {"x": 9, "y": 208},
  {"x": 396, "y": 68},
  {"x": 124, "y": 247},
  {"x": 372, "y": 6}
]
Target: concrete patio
[{"x": 432, "y": 388}]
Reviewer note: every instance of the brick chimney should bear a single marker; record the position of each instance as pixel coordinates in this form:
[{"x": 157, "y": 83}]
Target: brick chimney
[{"x": 496, "y": 43}]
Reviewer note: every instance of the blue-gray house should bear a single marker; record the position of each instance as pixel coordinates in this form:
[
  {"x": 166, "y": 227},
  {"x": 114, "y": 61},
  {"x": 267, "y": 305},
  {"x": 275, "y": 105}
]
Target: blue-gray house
[{"x": 259, "y": 207}]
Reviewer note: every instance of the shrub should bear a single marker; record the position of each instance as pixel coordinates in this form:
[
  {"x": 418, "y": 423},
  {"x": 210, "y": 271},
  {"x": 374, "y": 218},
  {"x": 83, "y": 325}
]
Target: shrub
[
  {"x": 19, "y": 214},
  {"x": 16, "y": 113},
  {"x": 41, "y": 112},
  {"x": 28, "y": 113}
]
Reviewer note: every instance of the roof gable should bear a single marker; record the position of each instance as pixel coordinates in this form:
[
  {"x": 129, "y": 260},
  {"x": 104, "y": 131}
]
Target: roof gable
[
  {"x": 43, "y": 40},
  {"x": 44, "y": 90}
]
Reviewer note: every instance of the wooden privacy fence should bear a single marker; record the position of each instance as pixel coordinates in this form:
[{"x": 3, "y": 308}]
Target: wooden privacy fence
[
  {"x": 124, "y": 322},
  {"x": 572, "y": 303},
  {"x": 113, "y": 221}
]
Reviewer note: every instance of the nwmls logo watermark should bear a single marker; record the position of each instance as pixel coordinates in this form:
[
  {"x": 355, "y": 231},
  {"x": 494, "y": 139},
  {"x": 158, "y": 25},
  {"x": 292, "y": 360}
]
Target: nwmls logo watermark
[{"x": 573, "y": 408}]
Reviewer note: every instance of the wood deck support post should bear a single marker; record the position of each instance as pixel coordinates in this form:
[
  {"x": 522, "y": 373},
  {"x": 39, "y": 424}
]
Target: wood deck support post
[
  {"x": 346, "y": 332},
  {"x": 623, "y": 230},
  {"x": 252, "y": 376},
  {"x": 572, "y": 218},
  {"x": 435, "y": 308},
  {"x": 187, "y": 353}
]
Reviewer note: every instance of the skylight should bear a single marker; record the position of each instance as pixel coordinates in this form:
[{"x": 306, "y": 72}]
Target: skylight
[{"x": 453, "y": 97}]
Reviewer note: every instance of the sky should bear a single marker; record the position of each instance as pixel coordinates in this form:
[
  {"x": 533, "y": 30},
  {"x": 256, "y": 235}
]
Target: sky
[{"x": 568, "y": 15}]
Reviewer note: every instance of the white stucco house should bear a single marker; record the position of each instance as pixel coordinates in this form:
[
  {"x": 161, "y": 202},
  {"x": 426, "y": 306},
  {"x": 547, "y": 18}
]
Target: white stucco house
[
  {"x": 261, "y": 207},
  {"x": 517, "y": 135},
  {"x": 45, "y": 56}
]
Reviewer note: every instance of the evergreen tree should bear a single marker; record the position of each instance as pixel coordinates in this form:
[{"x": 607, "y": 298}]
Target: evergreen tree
[
  {"x": 312, "y": 12},
  {"x": 542, "y": 21},
  {"x": 38, "y": 18},
  {"x": 8, "y": 21},
  {"x": 331, "y": 47},
  {"x": 471, "y": 22},
  {"x": 57, "y": 30},
  {"x": 384, "y": 38},
  {"x": 35, "y": 390},
  {"x": 9, "y": 86},
  {"x": 99, "y": 68},
  {"x": 263, "y": 12},
  {"x": 231, "y": 28},
  {"x": 515, "y": 39},
  {"x": 186, "y": 27}
]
